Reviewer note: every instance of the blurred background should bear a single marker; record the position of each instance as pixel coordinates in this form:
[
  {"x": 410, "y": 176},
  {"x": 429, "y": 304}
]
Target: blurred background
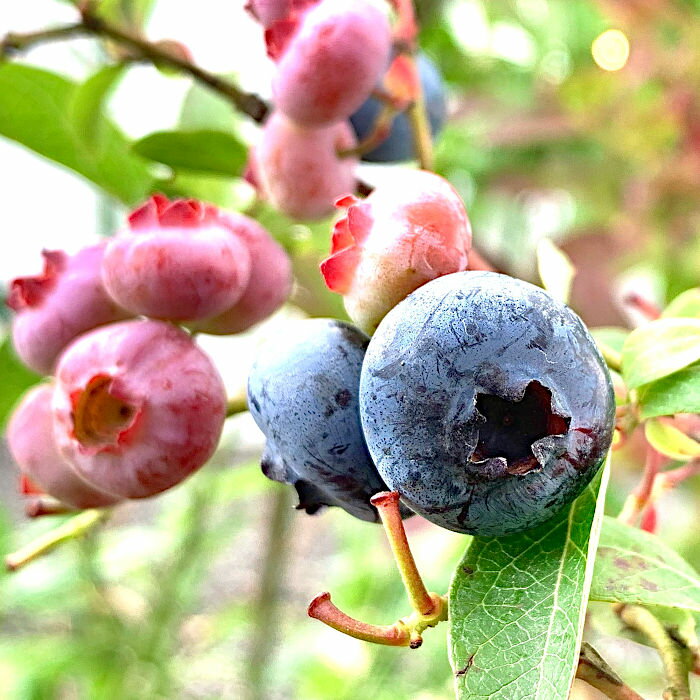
[{"x": 572, "y": 120}]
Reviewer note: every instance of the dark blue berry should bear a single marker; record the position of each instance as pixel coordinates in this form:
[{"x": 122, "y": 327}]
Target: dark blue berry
[
  {"x": 398, "y": 146},
  {"x": 303, "y": 394},
  {"x": 485, "y": 403}
]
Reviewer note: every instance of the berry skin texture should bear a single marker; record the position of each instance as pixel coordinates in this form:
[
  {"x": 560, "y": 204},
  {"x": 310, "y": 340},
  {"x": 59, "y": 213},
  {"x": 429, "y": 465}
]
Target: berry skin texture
[
  {"x": 329, "y": 62},
  {"x": 268, "y": 287},
  {"x": 485, "y": 403},
  {"x": 303, "y": 394},
  {"x": 176, "y": 261},
  {"x": 398, "y": 146},
  {"x": 32, "y": 445},
  {"x": 52, "y": 308},
  {"x": 138, "y": 407},
  {"x": 404, "y": 234},
  {"x": 298, "y": 171}
]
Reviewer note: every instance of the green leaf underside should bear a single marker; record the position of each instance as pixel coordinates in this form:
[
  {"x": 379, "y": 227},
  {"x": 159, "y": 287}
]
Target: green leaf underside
[
  {"x": 633, "y": 566},
  {"x": 36, "y": 110},
  {"x": 660, "y": 348},
  {"x": 200, "y": 151},
  {"x": 517, "y": 605},
  {"x": 677, "y": 393}
]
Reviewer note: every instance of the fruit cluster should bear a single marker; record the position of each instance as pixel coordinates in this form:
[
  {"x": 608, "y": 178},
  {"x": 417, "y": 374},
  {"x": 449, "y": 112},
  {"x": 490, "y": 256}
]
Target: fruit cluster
[
  {"x": 134, "y": 405},
  {"x": 329, "y": 56},
  {"x": 482, "y": 400}
]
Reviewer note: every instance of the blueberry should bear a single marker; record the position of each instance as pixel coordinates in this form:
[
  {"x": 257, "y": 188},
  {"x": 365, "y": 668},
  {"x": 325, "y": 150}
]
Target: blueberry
[
  {"x": 485, "y": 403},
  {"x": 398, "y": 145},
  {"x": 303, "y": 394}
]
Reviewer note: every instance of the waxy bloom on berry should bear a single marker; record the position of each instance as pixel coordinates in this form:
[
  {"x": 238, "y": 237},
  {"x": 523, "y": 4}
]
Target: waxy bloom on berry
[
  {"x": 52, "y": 308},
  {"x": 31, "y": 441},
  {"x": 269, "y": 285},
  {"x": 403, "y": 235},
  {"x": 328, "y": 59},
  {"x": 298, "y": 170},
  {"x": 138, "y": 407},
  {"x": 177, "y": 261}
]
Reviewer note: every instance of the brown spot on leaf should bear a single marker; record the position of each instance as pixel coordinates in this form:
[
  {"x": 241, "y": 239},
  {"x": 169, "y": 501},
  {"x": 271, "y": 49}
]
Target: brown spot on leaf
[{"x": 463, "y": 671}]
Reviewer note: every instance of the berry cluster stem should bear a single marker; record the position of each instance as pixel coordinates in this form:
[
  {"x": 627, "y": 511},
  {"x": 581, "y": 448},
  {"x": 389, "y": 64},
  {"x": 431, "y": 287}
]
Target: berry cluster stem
[
  {"x": 75, "y": 527},
  {"x": 593, "y": 669},
  {"x": 674, "y": 656}
]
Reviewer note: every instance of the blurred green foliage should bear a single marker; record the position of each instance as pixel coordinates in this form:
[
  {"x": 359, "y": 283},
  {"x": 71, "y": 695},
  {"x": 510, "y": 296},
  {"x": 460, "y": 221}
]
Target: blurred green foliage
[{"x": 541, "y": 143}]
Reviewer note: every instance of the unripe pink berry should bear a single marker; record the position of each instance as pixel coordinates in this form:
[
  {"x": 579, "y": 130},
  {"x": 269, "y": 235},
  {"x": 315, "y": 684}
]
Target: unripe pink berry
[
  {"x": 269, "y": 285},
  {"x": 329, "y": 63},
  {"x": 31, "y": 441},
  {"x": 403, "y": 235},
  {"x": 267, "y": 12},
  {"x": 67, "y": 299},
  {"x": 138, "y": 407},
  {"x": 298, "y": 170},
  {"x": 176, "y": 261}
]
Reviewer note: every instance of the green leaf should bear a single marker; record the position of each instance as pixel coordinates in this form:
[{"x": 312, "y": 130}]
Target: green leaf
[
  {"x": 517, "y": 605},
  {"x": 634, "y": 566},
  {"x": 660, "y": 348},
  {"x": 677, "y": 393},
  {"x": 555, "y": 269},
  {"x": 670, "y": 441},
  {"x": 205, "y": 109},
  {"x": 15, "y": 379},
  {"x": 35, "y": 110},
  {"x": 202, "y": 151},
  {"x": 89, "y": 100},
  {"x": 686, "y": 305},
  {"x": 612, "y": 336}
]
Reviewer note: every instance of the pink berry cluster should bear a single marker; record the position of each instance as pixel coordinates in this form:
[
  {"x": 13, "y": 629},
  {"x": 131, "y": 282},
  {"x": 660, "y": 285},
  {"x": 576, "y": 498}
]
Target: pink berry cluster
[
  {"x": 401, "y": 236},
  {"x": 329, "y": 55},
  {"x": 133, "y": 405}
]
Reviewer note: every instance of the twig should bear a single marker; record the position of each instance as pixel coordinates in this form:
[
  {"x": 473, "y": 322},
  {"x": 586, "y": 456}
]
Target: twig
[
  {"x": 75, "y": 527},
  {"x": 593, "y": 669},
  {"x": 91, "y": 24},
  {"x": 674, "y": 656}
]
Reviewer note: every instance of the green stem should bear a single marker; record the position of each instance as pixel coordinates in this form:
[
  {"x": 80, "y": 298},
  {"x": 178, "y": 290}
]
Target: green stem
[
  {"x": 418, "y": 118},
  {"x": 236, "y": 405},
  {"x": 674, "y": 656},
  {"x": 264, "y": 612},
  {"x": 75, "y": 527}
]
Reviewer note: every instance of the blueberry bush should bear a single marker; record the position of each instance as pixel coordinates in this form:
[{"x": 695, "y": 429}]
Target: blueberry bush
[{"x": 397, "y": 300}]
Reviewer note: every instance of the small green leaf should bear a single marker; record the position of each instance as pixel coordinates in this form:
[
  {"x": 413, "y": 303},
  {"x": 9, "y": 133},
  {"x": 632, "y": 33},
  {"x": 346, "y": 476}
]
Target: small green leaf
[
  {"x": 35, "y": 110},
  {"x": 89, "y": 99},
  {"x": 685, "y": 305},
  {"x": 634, "y": 566},
  {"x": 517, "y": 605},
  {"x": 205, "y": 109},
  {"x": 660, "y": 348},
  {"x": 555, "y": 270},
  {"x": 203, "y": 151},
  {"x": 612, "y": 336},
  {"x": 677, "y": 393},
  {"x": 15, "y": 379},
  {"x": 670, "y": 441}
]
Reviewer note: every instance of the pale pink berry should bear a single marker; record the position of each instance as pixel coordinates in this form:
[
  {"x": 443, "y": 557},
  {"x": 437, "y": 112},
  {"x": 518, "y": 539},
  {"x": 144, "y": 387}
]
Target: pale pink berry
[
  {"x": 176, "y": 261},
  {"x": 298, "y": 170},
  {"x": 138, "y": 407},
  {"x": 52, "y": 308},
  {"x": 403, "y": 235},
  {"x": 269, "y": 285},
  {"x": 328, "y": 59},
  {"x": 267, "y": 12},
  {"x": 31, "y": 441}
]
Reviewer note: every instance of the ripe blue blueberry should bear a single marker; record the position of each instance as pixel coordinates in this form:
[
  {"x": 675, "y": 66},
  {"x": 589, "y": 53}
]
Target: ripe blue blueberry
[
  {"x": 398, "y": 146},
  {"x": 303, "y": 394},
  {"x": 485, "y": 403}
]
